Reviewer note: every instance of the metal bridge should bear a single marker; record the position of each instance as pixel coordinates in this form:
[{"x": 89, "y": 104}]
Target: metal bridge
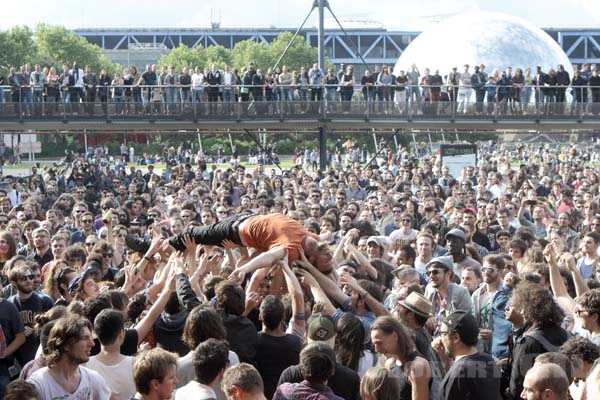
[
  {"x": 377, "y": 46},
  {"x": 279, "y": 116}
]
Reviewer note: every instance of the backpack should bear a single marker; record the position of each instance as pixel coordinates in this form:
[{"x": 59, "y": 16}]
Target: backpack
[{"x": 538, "y": 335}]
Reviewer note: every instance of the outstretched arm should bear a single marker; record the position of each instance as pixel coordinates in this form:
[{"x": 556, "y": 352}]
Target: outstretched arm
[
  {"x": 145, "y": 325},
  {"x": 316, "y": 290},
  {"x": 330, "y": 287},
  {"x": 295, "y": 290},
  {"x": 375, "y": 306},
  {"x": 362, "y": 260},
  {"x": 266, "y": 259}
]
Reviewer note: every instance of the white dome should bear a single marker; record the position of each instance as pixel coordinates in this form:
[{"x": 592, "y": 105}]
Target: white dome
[{"x": 494, "y": 39}]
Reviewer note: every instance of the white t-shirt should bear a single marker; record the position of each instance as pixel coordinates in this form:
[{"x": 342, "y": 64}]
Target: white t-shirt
[
  {"x": 186, "y": 373},
  {"x": 399, "y": 238},
  {"x": 119, "y": 377},
  {"x": 91, "y": 387},
  {"x": 195, "y": 390}
]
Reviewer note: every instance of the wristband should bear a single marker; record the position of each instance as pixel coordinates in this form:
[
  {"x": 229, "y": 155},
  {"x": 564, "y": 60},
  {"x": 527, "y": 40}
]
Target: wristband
[{"x": 147, "y": 258}]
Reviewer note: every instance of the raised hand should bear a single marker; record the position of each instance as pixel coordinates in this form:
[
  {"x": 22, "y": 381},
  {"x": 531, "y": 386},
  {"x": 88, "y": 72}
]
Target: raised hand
[
  {"x": 306, "y": 278},
  {"x": 303, "y": 261},
  {"x": 237, "y": 276},
  {"x": 189, "y": 243},
  {"x": 347, "y": 279},
  {"x": 228, "y": 244},
  {"x": 253, "y": 300}
]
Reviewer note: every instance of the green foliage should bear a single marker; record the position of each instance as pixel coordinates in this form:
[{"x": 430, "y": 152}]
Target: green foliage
[
  {"x": 300, "y": 53},
  {"x": 17, "y": 47},
  {"x": 248, "y": 51},
  {"x": 183, "y": 56},
  {"x": 244, "y": 52},
  {"x": 56, "y": 45},
  {"x": 219, "y": 55}
]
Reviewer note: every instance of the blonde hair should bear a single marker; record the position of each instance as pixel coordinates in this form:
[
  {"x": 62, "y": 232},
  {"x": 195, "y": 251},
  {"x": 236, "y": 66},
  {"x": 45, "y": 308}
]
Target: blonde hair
[{"x": 152, "y": 364}]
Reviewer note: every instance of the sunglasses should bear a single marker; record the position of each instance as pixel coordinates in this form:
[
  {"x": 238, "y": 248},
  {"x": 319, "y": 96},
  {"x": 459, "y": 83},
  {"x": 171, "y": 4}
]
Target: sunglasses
[
  {"x": 90, "y": 244},
  {"x": 122, "y": 236},
  {"x": 107, "y": 255},
  {"x": 488, "y": 270},
  {"x": 27, "y": 277},
  {"x": 87, "y": 221},
  {"x": 432, "y": 272}
]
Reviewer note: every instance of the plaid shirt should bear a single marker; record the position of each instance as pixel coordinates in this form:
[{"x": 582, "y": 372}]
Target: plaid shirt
[{"x": 305, "y": 391}]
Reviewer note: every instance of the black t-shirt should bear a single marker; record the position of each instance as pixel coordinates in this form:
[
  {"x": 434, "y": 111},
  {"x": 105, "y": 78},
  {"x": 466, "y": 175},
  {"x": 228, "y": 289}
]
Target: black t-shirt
[
  {"x": 273, "y": 355},
  {"x": 400, "y": 81},
  {"x": 11, "y": 324},
  {"x": 344, "y": 382},
  {"x": 472, "y": 377},
  {"x": 28, "y": 309},
  {"x": 129, "y": 346},
  {"x": 149, "y": 78}
]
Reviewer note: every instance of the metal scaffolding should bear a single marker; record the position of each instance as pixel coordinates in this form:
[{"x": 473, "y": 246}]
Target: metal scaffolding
[{"x": 377, "y": 46}]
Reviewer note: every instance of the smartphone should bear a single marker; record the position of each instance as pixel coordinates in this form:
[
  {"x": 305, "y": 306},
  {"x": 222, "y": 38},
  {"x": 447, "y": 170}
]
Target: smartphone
[{"x": 532, "y": 202}]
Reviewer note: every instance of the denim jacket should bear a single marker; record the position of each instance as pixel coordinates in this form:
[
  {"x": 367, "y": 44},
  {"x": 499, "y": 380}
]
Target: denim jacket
[{"x": 497, "y": 347}]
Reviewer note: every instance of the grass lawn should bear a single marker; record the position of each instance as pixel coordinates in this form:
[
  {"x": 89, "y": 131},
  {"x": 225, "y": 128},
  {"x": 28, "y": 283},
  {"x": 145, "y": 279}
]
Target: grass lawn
[{"x": 26, "y": 166}]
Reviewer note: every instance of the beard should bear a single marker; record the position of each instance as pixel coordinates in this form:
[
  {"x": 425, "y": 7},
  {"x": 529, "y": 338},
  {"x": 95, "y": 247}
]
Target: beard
[{"x": 26, "y": 289}]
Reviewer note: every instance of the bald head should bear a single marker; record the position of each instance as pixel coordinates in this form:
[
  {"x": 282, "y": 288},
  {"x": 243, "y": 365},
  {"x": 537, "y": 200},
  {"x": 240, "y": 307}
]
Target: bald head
[{"x": 547, "y": 381}]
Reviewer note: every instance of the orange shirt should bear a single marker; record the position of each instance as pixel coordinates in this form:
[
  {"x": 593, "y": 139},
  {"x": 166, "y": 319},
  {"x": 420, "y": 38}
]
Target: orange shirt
[{"x": 264, "y": 232}]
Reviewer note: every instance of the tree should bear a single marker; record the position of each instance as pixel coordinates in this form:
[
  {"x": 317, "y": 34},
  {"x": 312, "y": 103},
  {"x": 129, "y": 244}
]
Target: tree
[
  {"x": 57, "y": 45},
  {"x": 300, "y": 53},
  {"x": 17, "y": 47},
  {"x": 248, "y": 51},
  {"x": 182, "y": 56},
  {"x": 219, "y": 55}
]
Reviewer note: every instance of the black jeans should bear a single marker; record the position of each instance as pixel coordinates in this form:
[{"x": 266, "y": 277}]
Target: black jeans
[{"x": 214, "y": 234}]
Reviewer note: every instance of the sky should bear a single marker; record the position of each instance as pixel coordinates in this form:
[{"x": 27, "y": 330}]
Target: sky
[{"x": 411, "y": 15}]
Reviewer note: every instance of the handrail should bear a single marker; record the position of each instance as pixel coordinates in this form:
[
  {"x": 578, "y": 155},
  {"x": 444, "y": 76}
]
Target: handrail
[{"x": 309, "y": 86}]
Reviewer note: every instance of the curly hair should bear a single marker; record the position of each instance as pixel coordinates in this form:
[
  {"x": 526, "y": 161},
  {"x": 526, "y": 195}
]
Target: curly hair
[
  {"x": 203, "y": 323},
  {"x": 65, "y": 332},
  {"x": 580, "y": 348},
  {"x": 537, "y": 305},
  {"x": 590, "y": 300},
  {"x": 231, "y": 297}
]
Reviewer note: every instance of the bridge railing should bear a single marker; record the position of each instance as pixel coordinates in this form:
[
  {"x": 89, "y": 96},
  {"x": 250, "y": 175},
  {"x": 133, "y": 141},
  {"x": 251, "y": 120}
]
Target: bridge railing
[{"x": 237, "y": 102}]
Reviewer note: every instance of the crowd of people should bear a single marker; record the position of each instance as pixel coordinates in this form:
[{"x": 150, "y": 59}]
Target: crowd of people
[
  {"x": 393, "y": 281},
  {"x": 230, "y": 91}
]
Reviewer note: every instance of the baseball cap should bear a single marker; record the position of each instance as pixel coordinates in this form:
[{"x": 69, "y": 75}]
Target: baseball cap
[
  {"x": 455, "y": 232},
  {"x": 464, "y": 324},
  {"x": 445, "y": 261},
  {"x": 321, "y": 328},
  {"x": 376, "y": 240},
  {"x": 469, "y": 210}
]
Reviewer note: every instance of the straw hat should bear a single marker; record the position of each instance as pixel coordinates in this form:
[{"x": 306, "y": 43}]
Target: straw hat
[{"x": 418, "y": 304}]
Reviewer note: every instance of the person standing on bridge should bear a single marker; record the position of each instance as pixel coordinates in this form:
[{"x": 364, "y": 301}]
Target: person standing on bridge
[{"x": 316, "y": 87}]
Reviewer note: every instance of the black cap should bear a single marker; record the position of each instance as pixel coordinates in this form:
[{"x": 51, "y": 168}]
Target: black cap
[
  {"x": 137, "y": 244},
  {"x": 465, "y": 325}
]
